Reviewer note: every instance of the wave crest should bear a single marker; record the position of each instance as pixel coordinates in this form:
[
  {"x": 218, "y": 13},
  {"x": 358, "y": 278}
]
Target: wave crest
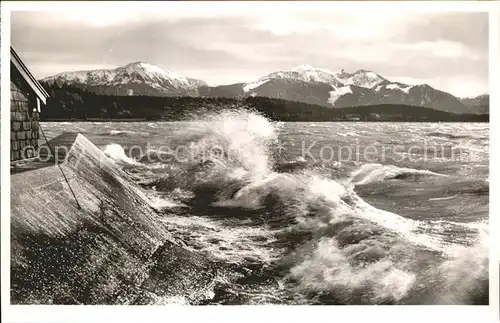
[
  {"x": 324, "y": 239},
  {"x": 374, "y": 173}
]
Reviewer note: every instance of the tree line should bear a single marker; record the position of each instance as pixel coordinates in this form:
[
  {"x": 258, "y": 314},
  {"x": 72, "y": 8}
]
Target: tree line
[{"x": 71, "y": 103}]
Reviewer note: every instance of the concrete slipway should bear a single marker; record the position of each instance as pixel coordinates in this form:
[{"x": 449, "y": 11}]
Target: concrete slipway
[{"x": 114, "y": 250}]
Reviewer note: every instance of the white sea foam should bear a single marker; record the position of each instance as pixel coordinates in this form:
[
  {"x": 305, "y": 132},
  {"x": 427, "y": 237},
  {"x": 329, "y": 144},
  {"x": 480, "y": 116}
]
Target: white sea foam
[
  {"x": 222, "y": 242},
  {"x": 119, "y": 132},
  {"x": 117, "y": 153},
  {"x": 443, "y": 198},
  {"x": 162, "y": 204},
  {"x": 356, "y": 252},
  {"x": 329, "y": 269},
  {"x": 115, "y": 132},
  {"x": 373, "y": 173},
  {"x": 245, "y": 138}
]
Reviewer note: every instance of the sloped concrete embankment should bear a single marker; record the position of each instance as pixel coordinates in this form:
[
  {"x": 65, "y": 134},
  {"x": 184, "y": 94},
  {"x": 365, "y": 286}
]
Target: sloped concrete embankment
[{"x": 114, "y": 250}]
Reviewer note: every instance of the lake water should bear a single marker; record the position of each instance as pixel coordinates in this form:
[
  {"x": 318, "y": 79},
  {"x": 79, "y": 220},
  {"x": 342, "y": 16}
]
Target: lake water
[{"x": 317, "y": 213}]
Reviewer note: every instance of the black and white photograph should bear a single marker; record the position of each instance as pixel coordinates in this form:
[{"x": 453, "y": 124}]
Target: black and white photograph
[{"x": 249, "y": 154}]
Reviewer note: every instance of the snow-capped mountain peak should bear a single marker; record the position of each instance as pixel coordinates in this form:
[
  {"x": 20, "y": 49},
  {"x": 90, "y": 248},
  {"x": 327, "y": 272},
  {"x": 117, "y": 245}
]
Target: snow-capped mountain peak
[
  {"x": 143, "y": 67},
  {"x": 308, "y": 73},
  {"x": 302, "y": 73},
  {"x": 130, "y": 75},
  {"x": 150, "y": 70},
  {"x": 361, "y": 78},
  {"x": 309, "y": 68}
]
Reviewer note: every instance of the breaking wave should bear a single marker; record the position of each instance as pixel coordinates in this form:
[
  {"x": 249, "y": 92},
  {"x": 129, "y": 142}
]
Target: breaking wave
[
  {"x": 373, "y": 173},
  {"x": 302, "y": 235},
  {"x": 117, "y": 153},
  {"x": 453, "y": 136},
  {"x": 124, "y": 133}
]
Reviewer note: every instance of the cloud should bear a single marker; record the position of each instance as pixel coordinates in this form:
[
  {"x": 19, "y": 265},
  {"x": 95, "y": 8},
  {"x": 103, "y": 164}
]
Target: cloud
[
  {"x": 468, "y": 28},
  {"x": 286, "y": 26},
  {"x": 442, "y": 49},
  {"x": 242, "y": 41}
]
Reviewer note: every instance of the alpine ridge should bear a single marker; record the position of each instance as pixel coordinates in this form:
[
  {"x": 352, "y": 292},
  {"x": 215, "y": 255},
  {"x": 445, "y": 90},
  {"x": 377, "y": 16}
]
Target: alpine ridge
[
  {"x": 138, "y": 78},
  {"x": 303, "y": 83}
]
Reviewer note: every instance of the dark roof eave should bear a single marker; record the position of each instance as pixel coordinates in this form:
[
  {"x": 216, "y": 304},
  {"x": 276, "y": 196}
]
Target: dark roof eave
[{"x": 26, "y": 74}]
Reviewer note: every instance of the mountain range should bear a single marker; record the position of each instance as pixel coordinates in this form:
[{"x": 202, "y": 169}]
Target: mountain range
[
  {"x": 480, "y": 104},
  {"x": 304, "y": 83}
]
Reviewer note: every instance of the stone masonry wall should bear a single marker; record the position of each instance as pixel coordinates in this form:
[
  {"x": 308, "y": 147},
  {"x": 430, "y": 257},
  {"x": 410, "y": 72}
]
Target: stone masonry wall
[{"x": 24, "y": 126}]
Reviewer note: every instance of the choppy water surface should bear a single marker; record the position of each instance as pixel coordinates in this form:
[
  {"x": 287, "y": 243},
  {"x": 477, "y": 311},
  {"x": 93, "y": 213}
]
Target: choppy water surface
[{"x": 317, "y": 213}]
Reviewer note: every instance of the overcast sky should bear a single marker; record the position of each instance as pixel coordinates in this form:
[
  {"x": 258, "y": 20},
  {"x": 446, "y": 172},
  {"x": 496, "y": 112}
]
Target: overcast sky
[{"x": 448, "y": 51}]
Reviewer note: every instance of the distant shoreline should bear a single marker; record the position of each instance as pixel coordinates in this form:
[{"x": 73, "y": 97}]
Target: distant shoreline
[
  {"x": 98, "y": 120},
  {"x": 73, "y": 105},
  {"x": 340, "y": 121}
]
